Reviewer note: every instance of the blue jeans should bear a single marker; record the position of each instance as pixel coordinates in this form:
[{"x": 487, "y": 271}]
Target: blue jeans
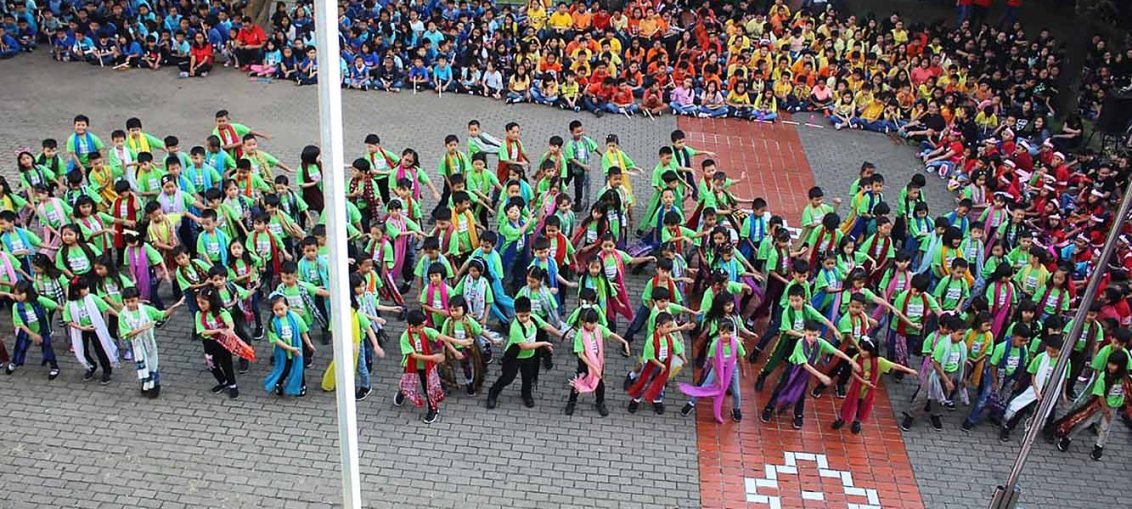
[
  {"x": 363, "y": 371},
  {"x": 592, "y": 105},
  {"x": 378, "y": 85},
  {"x": 714, "y": 113},
  {"x": 538, "y": 97},
  {"x": 690, "y": 109},
  {"x": 736, "y": 398},
  {"x": 630, "y": 109},
  {"x": 767, "y": 116},
  {"x": 639, "y": 321}
]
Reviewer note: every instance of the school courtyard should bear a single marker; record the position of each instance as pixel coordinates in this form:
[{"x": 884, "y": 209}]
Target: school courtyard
[{"x": 66, "y": 443}]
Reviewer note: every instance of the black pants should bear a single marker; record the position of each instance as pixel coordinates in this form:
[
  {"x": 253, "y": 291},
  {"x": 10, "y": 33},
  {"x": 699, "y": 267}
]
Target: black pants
[
  {"x": 527, "y": 367},
  {"x": 221, "y": 362},
  {"x": 249, "y": 56},
  {"x": 1076, "y": 366},
  {"x": 599, "y": 393},
  {"x": 287, "y": 371},
  {"x": 443, "y": 203},
  {"x": 91, "y": 342}
]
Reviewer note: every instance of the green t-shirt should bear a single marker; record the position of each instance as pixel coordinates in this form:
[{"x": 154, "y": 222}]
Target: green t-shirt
[
  {"x": 799, "y": 354},
  {"x": 464, "y": 328},
  {"x": 127, "y": 317},
  {"x": 883, "y": 367},
  {"x": 1017, "y": 356},
  {"x": 600, "y": 333},
  {"x": 795, "y": 319},
  {"x": 75, "y": 311},
  {"x": 279, "y": 329},
  {"x": 411, "y": 344},
  {"x": 524, "y": 333},
  {"x": 661, "y": 354},
  {"x": 32, "y": 321},
  {"x": 950, "y": 355}
]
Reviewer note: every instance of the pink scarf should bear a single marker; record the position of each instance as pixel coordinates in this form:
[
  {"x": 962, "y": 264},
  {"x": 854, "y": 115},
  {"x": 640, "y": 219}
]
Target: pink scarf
[
  {"x": 139, "y": 268},
  {"x": 593, "y": 347}
]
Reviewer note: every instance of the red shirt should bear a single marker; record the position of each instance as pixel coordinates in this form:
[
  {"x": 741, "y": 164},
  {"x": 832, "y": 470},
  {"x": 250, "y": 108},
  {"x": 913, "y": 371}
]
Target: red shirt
[
  {"x": 623, "y": 96},
  {"x": 251, "y": 35},
  {"x": 202, "y": 54}
]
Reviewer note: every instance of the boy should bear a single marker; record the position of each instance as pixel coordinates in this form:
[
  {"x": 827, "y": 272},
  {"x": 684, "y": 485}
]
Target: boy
[
  {"x": 419, "y": 364},
  {"x": 791, "y": 387},
  {"x": 577, "y": 152},
  {"x": 465, "y": 234},
  {"x": 519, "y": 354},
  {"x": 480, "y": 141},
  {"x": 80, "y": 144},
  {"x": 945, "y": 372},
  {"x": 795, "y": 317},
  {"x": 511, "y": 153},
  {"x": 453, "y": 162},
  {"x": 212, "y": 244},
  {"x": 657, "y": 364},
  {"x": 1004, "y": 375},
  {"x": 231, "y": 134},
  {"x": 262, "y": 162},
  {"x": 301, "y": 299},
  {"x": 136, "y": 323},
  {"x": 1041, "y": 375}
]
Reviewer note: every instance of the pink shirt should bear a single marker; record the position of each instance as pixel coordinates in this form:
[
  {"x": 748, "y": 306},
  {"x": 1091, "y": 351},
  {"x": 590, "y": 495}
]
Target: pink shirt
[{"x": 683, "y": 96}]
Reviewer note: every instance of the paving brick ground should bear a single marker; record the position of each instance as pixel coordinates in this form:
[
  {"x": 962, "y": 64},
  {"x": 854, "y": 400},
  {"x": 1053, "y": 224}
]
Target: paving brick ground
[{"x": 69, "y": 444}]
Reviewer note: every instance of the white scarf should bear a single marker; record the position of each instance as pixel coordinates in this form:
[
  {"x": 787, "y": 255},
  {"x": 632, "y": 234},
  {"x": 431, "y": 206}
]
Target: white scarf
[
  {"x": 100, "y": 330},
  {"x": 143, "y": 344}
]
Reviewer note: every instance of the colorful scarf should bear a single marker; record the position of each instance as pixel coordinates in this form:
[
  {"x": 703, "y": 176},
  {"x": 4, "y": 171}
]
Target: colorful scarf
[
  {"x": 593, "y": 347},
  {"x": 724, "y": 367}
]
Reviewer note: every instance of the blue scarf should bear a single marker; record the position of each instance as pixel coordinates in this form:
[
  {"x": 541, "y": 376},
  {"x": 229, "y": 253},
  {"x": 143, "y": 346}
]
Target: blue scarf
[
  {"x": 40, "y": 317},
  {"x": 293, "y": 385}
]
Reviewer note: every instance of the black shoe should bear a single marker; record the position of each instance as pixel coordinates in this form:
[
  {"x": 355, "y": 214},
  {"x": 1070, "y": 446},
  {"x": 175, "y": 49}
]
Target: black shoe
[
  {"x": 490, "y": 401},
  {"x": 259, "y": 334},
  {"x": 797, "y": 422},
  {"x": 528, "y": 402},
  {"x": 233, "y": 393},
  {"x": 218, "y": 388},
  {"x": 278, "y": 390},
  {"x": 855, "y": 427},
  {"x": 816, "y": 393},
  {"x": 906, "y": 424},
  {"x": 937, "y": 423},
  {"x": 687, "y": 409},
  {"x": 570, "y": 407},
  {"x": 949, "y": 405},
  {"x": 841, "y": 391},
  {"x": 88, "y": 375},
  {"x": 547, "y": 363},
  {"x": 398, "y": 399},
  {"x": 303, "y": 391},
  {"x": 659, "y": 408},
  {"x": 628, "y": 381},
  {"x": 1063, "y": 444},
  {"x": 1004, "y": 434},
  {"x": 598, "y": 113},
  {"x": 154, "y": 392},
  {"x": 838, "y": 424},
  {"x": 1098, "y": 451},
  {"x": 53, "y": 374},
  {"x": 760, "y": 382},
  {"x": 736, "y": 415},
  {"x": 766, "y": 415},
  {"x": 404, "y": 289},
  {"x": 471, "y": 390},
  {"x": 105, "y": 379},
  {"x": 431, "y": 416},
  {"x": 362, "y": 393},
  {"x": 9, "y": 369},
  {"x": 966, "y": 426},
  {"x": 243, "y": 366},
  {"x": 308, "y": 361},
  {"x": 633, "y": 405},
  {"x": 602, "y": 410},
  {"x": 753, "y": 357}
]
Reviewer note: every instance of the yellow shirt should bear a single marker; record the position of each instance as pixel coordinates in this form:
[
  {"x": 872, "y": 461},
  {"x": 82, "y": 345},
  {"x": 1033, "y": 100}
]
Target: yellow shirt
[
  {"x": 561, "y": 20},
  {"x": 536, "y": 17}
]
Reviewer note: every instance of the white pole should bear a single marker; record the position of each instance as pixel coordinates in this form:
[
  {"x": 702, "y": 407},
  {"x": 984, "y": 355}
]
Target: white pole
[{"x": 334, "y": 189}]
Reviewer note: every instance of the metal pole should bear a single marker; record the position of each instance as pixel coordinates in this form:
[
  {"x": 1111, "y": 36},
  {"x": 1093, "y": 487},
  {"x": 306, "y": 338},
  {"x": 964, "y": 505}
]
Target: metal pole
[
  {"x": 1005, "y": 497},
  {"x": 334, "y": 190}
]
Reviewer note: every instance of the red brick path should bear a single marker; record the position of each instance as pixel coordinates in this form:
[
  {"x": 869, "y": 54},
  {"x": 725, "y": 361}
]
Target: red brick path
[{"x": 734, "y": 458}]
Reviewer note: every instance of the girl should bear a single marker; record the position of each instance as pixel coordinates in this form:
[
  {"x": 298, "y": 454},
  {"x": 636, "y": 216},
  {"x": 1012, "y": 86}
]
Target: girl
[
  {"x": 108, "y": 284},
  {"x": 514, "y": 247},
  {"x": 862, "y": 390},
  {"x": 409, "y": 168},
  {"x": 83, "y": 315},
  {"x": 48, "y": 280},
  {"x": 589, "y": 346},
  {"x": 615, "y": 157},
  {"x": 51, "y": 212},
  {"x": 245, "y": 270},
  {"x": 136, "y": 322},
  {"x": 398, "y": 230},
  {"x": 613, "y": 262},
  {"x": 420, "y": 383},
  {"x": 191, "y": 274},
  {"x": 363, "y": 329},
  {"x": 587, "y": 237},
  {"x": 215, "y": 327},
  {"x": 31, "y": 317},
  {"x": 288, "y": 332},
  {"x": 726, "y": 349},
  {"x": 272, "y": 58},
  {"x": 142, "y": 263},
  {"x": 461, "y": 326},
  {"x": 75, "y": 257}
]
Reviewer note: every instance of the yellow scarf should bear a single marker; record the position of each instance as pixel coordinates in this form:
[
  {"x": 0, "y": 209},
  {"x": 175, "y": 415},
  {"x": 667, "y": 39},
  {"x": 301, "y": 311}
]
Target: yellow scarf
[
  {"x": 139, "y": 144},
  {"x": 470, "y": 219},
  {"x": 328, "y": 380}
]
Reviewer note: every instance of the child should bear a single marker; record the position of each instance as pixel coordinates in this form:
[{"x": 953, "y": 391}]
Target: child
[
  {"x": 794, "y": 317},
  {"x": 864, "y": 386},
  {"x": 1041, "y": 375},
  {"x": 136, "y": 322},
  {"x": 31, "y": 317},
  {"x": 471, "y": 359},
  {"x": 791, "y": 387},
  {"x": 288, "y": 332},
  {"x": 1004, "y": 376},
  {"x": 519, "y": 354},
  {"x": 434, "y": 295},
  {"x": 214, "y": 326},
  {"x": 1106, "y": 398},
  {"x": 83, "y": 316},
  {"x": 589, "y": 346},
  {"x": 948, "y": 361},
  {"x": 725, "y": 350},
  {"x": 419, "y": 363},
  {"x": 657, "y": 365}
]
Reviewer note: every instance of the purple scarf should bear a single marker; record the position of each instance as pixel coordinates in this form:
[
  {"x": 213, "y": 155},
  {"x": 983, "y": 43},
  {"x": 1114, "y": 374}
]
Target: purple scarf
[
  {"x": 139, "y": 268},
  {"x": 798, "y": 379},
  {"x": 724, "y": 369}
]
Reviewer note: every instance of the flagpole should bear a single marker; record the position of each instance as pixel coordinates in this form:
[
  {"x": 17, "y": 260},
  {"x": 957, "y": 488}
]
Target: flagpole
[{"x": 334, "y": 191}]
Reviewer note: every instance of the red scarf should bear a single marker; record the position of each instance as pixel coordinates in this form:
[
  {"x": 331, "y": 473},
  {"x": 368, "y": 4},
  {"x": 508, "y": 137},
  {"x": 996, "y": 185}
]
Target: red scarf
[
  {"x": 274, "y": 249},
  {"x": 228, "y": 136},
  {"x": 430, "y": 291},
  {"x": 501, "y": 169},
  {"x": 638, "y": 389},
  {"x": 421, "y": 346},
  {"x": 671, "y": 286},
  {"x": 560, "y": 249},
  {"x": 368, "y": 195},
  {"x": 902, "y": 327},
  {"x": 131, "y": 213}
]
